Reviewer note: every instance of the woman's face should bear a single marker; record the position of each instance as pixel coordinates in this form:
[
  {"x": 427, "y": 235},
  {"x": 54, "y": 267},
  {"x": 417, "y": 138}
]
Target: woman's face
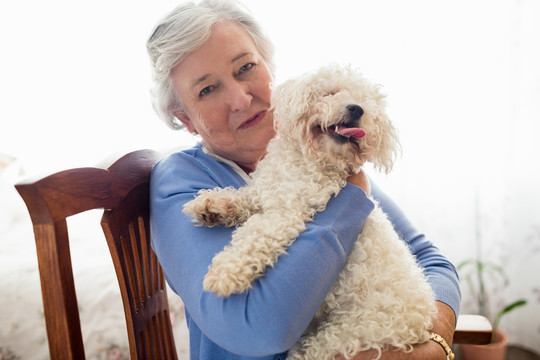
[{"x": 225, "y": 87}]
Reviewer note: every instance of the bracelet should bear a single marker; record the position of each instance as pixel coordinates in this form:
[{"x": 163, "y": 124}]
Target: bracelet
[{"x": 440, "y": 340}]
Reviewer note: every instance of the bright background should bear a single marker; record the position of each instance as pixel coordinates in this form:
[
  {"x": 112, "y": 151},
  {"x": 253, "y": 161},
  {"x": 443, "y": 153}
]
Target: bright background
[{"x": 463, "y": 85}]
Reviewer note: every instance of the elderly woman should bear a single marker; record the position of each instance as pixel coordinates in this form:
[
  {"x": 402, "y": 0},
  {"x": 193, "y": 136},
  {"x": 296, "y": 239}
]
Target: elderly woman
[{"x": 213, "y": 71}]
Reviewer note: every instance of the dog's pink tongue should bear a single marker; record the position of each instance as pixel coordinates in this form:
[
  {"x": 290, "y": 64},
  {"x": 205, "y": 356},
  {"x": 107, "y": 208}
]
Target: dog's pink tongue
[{"x": 356, "y": 133}]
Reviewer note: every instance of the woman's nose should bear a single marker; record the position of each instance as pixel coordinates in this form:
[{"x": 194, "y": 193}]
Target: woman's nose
[{"x": 239, "y": 97}]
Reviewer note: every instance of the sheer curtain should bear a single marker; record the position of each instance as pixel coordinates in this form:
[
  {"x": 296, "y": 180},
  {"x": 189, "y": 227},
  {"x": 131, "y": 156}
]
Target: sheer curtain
[{"x": 463, "y": 86}]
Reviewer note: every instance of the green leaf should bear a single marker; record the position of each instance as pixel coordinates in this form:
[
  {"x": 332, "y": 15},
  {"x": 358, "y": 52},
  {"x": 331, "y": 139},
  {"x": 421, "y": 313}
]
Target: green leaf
[
  {"x": 507, "y": 309},
  {"x": 482, "y": 267},
  {"x": 464, "y": 263},
  {"x": 491, "y": 267}
]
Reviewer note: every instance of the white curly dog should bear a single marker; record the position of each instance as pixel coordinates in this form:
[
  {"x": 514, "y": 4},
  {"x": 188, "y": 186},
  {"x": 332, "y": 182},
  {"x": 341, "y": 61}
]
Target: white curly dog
[{"x": 329, "y": 123}]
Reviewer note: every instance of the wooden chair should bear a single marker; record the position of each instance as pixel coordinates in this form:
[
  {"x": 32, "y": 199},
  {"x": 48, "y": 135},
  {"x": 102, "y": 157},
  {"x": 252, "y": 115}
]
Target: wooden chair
[{"x": 122, "y": 189}]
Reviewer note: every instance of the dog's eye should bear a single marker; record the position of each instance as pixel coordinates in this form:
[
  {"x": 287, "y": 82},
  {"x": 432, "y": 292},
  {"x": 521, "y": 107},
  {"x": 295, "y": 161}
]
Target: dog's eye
[{"x": 329, "y": 94}]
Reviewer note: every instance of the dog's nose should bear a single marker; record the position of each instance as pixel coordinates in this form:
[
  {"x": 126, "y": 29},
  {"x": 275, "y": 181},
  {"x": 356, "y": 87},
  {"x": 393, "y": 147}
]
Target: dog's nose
[{"x": 355, "y": 110}]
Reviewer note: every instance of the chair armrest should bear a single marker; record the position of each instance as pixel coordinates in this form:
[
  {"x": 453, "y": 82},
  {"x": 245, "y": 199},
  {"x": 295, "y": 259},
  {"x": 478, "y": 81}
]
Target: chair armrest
[{"x": 473, "y": 329}]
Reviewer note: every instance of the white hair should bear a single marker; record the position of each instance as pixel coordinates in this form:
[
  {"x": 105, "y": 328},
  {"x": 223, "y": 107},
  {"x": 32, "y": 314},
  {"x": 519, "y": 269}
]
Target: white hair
[{"x": 183, "y": 31}]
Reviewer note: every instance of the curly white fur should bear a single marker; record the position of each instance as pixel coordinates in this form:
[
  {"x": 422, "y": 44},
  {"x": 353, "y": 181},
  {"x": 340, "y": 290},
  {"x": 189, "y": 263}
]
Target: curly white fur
[{"x": 381, "y": 299}]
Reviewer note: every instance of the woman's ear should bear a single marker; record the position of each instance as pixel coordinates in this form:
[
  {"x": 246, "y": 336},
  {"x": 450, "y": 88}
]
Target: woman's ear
[{"x": 184, "y": 118}]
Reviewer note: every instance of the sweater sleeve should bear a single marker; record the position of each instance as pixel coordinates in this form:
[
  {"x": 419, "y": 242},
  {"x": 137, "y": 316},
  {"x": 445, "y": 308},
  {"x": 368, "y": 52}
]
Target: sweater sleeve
[
  {"x": 441, "y": 273},
  {"x": 274, "y": 313}
]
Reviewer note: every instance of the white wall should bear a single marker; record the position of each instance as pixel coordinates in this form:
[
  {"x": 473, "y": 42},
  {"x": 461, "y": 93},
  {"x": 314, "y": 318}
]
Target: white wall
[{"x": 462, "y": 78}]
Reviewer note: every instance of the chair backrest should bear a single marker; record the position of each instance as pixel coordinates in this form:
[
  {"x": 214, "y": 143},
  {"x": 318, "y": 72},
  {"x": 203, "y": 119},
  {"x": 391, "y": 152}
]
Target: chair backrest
[{"x": 122, "y": 190}]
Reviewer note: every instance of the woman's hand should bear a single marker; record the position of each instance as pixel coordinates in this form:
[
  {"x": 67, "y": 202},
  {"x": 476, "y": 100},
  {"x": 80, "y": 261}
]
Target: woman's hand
[
  {"x": 429, "y": 350},
  {"x": 361, "y": 180},
  {"x": 443, "y": 325}
]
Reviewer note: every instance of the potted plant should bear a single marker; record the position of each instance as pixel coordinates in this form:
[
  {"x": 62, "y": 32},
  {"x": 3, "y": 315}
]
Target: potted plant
[{"x": 475, "y": 272}]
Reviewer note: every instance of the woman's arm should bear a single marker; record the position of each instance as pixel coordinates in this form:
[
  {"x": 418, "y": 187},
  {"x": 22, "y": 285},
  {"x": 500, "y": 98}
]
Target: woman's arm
[
  {"x": 444, "y": 325},
  {"x": 441, "y": 273},
  {"x": 442, "y": 276},
  {"x": 271, "y": 316}
]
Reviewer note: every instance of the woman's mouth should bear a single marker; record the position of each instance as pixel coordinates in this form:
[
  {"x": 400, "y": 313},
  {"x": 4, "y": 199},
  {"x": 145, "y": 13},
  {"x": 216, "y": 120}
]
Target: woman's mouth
[{"x": 252, "y": 121}]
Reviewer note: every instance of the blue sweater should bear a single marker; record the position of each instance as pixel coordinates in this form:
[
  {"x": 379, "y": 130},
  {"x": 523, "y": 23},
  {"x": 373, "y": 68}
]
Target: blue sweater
[{"x": 266, "y": 321}]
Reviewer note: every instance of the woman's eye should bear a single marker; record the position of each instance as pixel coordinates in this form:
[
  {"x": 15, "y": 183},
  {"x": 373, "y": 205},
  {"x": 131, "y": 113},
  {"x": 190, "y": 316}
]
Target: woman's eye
[
  {"x": 246, "y": 67},
  {"x": 207, "y": 90}
]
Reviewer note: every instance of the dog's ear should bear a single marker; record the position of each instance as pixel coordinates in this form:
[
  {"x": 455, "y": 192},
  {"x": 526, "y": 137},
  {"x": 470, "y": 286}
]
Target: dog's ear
[
  {"x": 291, "y": 105},
  {"x": 282, "y": 98},
  {"x": 389, "y": 147},
  {"x": 285, "y": 104}
]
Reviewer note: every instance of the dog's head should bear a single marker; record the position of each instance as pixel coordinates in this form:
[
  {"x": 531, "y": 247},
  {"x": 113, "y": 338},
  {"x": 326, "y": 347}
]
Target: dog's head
[{"x": 335, "y": 114}]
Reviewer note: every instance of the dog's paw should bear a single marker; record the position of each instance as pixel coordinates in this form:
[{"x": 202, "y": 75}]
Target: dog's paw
[
  {"x": 224, "y": 283},
  {"x": 211, "y": 210}
]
